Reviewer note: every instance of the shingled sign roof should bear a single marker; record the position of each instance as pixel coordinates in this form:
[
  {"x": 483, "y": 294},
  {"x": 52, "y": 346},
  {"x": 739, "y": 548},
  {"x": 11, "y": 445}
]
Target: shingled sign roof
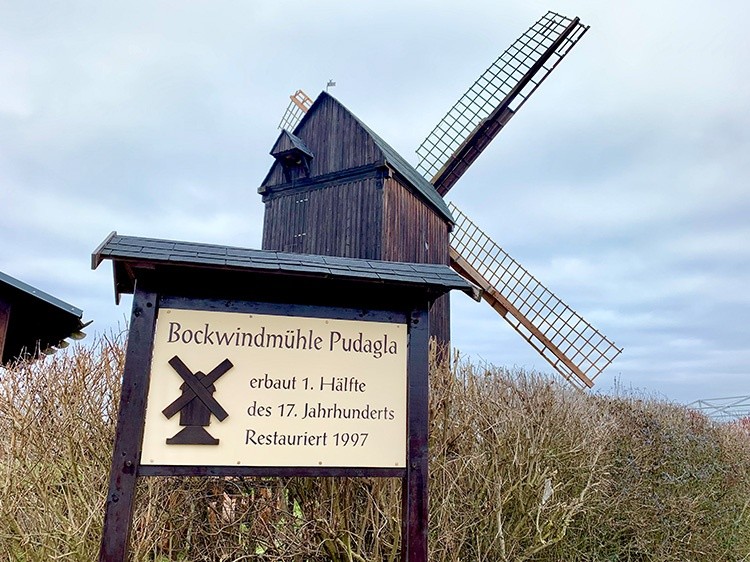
[{"x": 134, "y": 250}]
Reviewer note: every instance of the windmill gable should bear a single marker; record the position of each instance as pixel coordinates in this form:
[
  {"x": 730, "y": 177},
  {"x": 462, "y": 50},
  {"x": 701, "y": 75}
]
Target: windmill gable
[
  {"x": 335, "y": 138},
  {"x": 344, "y": 146}
]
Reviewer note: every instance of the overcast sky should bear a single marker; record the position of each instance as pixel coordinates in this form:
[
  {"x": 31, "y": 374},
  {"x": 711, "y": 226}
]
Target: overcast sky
[{"x": 622, "y": 184}]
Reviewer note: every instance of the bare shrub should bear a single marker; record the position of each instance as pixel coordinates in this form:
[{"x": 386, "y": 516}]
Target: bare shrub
[
  {"x": 679, "y": 488},
  {"x": 56, "y": 431},
  {"x": 521, "y": 468},
  {"x": 515, "y": 457}
]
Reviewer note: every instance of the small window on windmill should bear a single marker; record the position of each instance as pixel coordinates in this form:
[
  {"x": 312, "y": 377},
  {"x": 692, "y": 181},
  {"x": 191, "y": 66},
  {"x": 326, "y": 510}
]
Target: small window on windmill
[{"x": 292, "y": 154}]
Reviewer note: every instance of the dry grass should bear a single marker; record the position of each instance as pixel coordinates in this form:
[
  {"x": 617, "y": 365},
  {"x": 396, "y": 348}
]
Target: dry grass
[
  {"x": 521, "y": 469},
  {"x": 56, "y": 432},
  {"x": 516, "y": 459}
]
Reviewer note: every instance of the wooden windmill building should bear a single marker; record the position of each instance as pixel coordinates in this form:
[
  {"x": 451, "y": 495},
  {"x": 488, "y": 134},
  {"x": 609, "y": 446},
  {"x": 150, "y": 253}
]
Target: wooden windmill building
[{"x": 336, "y": 188}]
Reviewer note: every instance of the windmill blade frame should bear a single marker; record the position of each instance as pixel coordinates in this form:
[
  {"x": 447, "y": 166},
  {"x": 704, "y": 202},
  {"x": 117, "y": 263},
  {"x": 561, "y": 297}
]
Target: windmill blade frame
[
  {"x": 576, "y": 350},
  {"x": 494, "y": 98},
  {"x": 299, "y": 103}
]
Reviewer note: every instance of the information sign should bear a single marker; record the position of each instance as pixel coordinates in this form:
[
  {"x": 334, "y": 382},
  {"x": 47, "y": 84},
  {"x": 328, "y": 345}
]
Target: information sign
[
  {"x": 251, "y": 363},
  {"x": 234, "y": 389}
]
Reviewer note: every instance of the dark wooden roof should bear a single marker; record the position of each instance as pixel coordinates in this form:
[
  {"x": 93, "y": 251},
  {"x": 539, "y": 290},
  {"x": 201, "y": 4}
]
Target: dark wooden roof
[
  {"x": 37, "y": 319},
  {"x": 129, "y": 252},
  {"x": 287, "y": 142},
  {"x": 387, "y": 156},
  {"x": 409, "y": 173},
  {"x": 6, "y": 281}
]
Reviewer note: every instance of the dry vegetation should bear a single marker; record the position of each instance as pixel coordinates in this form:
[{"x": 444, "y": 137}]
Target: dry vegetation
[{"x": 521, "y": 469}]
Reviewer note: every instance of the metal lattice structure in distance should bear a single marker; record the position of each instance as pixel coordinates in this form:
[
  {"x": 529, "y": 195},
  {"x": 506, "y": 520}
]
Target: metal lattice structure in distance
[
  {"x": 569, "y": 343},
  {"x": 299, "y": 103},
  {"x": 727, "y": 409},
  {"x": 494, "y": 98}
]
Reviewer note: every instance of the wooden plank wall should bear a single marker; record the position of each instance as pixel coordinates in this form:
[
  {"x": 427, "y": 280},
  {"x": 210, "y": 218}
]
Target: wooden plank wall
[
  {"x": 343, "y": 220},
  {"x": 414, "y": 232}
]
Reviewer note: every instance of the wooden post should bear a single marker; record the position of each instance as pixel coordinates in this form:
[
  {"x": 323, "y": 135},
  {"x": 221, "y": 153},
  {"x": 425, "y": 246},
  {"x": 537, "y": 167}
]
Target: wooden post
[
  {"x": 4, "y": 321},
  {"x": 129, "y": 433},
  {"x": 414, "y": 512}
]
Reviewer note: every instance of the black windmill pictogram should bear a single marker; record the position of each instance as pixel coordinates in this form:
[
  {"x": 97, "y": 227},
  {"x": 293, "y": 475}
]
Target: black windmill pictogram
[{"x": 196, "y": 404}]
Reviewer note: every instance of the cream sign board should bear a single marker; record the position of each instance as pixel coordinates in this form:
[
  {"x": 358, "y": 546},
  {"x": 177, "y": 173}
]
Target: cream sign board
[{"x": 235, "y": 389}]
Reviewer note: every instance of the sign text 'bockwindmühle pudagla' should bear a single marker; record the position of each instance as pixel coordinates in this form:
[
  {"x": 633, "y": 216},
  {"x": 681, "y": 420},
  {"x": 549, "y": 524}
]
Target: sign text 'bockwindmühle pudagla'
[{"x": 266, "y": 390}]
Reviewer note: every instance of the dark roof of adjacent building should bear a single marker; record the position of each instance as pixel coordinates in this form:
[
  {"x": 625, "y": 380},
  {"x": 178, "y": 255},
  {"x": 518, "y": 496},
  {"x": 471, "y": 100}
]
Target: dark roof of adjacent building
[
  {"x": 135, "y": 250},
  {"x": 21, "y": 287},
  {"x": 37, "y": 320}
]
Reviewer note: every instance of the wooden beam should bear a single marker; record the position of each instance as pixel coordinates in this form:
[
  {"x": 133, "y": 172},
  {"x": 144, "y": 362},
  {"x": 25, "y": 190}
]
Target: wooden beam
[
  {"x": 488, "y": 129},
  {"x": 471, "y": 148},
  {"x": 129, "y": 432},
  {"x": 500, "y": 303},
  {"x": 414, "y": 487}
]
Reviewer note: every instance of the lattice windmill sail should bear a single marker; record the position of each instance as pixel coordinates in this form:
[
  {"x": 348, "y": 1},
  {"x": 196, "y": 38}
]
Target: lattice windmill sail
[
  {"x": 576, "y": 350},
  {"x": 299, "y": 104},
  {"x": 487, "y": 106},
  {"x": 571, "y": 345}
]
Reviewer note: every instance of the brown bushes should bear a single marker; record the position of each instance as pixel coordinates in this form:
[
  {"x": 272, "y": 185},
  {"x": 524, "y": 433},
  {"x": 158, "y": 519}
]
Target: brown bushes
[
  {"x": 679, "y": 488},
  {"x": 56, "y": 431},
  {"x": 515, "y": 459},
  {"x": 521, "y": 469}
]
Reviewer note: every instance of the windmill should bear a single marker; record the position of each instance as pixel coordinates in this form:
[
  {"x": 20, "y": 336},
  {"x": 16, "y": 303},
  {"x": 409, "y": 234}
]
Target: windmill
[{"x": 300, "y": 218}]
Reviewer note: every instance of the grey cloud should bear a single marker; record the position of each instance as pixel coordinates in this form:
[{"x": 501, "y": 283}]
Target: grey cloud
[{"x": 622, "y": 184}]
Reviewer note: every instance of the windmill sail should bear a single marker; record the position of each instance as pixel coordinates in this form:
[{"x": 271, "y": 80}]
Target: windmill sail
[
  {"x": 571, "y": 345},
  {"x": 479, "y": 115},
  {"x": 299, "y": 103}
]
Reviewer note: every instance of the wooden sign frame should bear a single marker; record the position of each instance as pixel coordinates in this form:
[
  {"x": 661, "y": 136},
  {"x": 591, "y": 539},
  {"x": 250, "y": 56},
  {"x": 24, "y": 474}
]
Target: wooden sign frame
[
  {"x": 207, "y": 278},
  {"x": 127, "y": 467}
]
